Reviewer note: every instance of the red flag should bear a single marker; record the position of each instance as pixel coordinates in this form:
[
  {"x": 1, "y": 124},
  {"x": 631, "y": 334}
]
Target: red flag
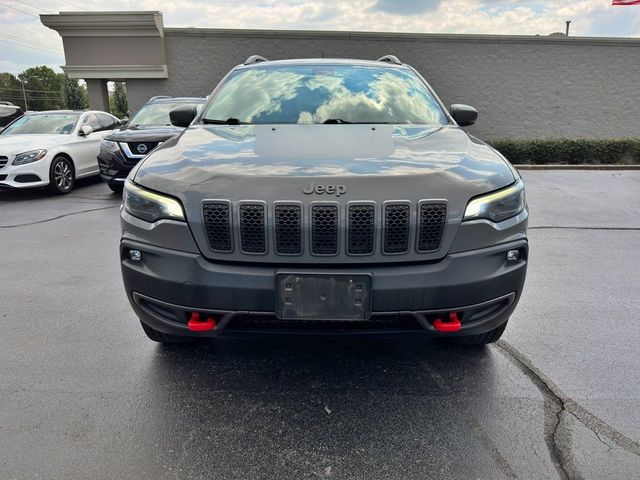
[{"x": 626, "y": 2}]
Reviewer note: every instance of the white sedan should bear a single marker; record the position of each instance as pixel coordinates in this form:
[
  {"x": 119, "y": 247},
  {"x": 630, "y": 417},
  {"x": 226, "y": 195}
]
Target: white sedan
[{"x": 52, "y": 148}]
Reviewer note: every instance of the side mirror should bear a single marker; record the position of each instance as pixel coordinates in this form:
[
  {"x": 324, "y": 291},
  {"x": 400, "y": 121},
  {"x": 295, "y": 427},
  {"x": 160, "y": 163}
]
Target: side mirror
[
  {"x": 464, "y": 115},
  {"x": 183, "y": 116},
  {"x": 85, "y": 131}
]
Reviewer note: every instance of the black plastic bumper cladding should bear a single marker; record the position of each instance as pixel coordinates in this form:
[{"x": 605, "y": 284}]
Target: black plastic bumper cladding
[
  {"x": 190, "y": 282},
  {"x": 173, "y": 319},
  {"x": 115, "y": 165}
]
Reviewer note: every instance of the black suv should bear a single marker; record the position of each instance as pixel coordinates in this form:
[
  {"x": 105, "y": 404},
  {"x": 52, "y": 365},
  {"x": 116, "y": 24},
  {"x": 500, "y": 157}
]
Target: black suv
[{"x": 121, "y": 150}]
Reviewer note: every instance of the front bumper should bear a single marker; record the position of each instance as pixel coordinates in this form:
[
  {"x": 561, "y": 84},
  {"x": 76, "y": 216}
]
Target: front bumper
[
  {"x": 34, "y": 174},
  {"x": 115, "y": 166},
  {"x": 167, "y": 285}
]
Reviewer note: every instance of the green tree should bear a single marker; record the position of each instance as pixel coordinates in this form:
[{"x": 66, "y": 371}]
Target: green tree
[
  {"x": 11, "y": 89},
  {"x": 118, "y": 100},
  {"x": 43, "y": 88},
  {"x": 74, "y": 94}
]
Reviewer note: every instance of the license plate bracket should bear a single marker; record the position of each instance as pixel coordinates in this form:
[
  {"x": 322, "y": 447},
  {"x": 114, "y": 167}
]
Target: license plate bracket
[{"x": 323, "y": 296}]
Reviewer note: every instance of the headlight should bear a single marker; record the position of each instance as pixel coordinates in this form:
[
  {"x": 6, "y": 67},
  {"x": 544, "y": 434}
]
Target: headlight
[
  {"x": 498, "y": 206},
  {"x": 109, "y": 146},
  {"x": 28, "y": 157},
  {"x": 150, "y": 206}
]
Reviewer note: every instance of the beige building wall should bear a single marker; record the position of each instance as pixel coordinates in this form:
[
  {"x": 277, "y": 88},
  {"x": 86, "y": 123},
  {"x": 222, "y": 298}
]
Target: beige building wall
[{"x": 523, "y": 86}]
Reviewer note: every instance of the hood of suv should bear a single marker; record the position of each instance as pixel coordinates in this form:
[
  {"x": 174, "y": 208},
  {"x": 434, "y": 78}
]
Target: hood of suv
[
  {"x": 140, "y": 134},
  {"x": 205, "y": 158},
  {"x": 339, "y": 166}
]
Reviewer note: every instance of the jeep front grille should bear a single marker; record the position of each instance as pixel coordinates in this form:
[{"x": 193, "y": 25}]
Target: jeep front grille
[
  {"x": 288, "y": 221},
  {"x": 324, "y": 229},
  {"x": 293, "y": 228},
  {"x": 361, "y": 229},
  {"x": 433, "y": 217},
  {"x": 252, "y": 228},
  {"x": 217, "y": 216},
  {"x": 396, "y": 228}
]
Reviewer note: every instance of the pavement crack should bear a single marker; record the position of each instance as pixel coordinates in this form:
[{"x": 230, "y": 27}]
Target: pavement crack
[
  {"x": 598, "y": 426},
  {"x": 58, "y": 217}
]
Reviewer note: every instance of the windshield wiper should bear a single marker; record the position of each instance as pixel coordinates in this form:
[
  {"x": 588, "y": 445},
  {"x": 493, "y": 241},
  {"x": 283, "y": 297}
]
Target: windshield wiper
[
  {"x": 335, "y": 120},
  {"x": 340, "y": 121},
  {"x": 228, "y": 121}
]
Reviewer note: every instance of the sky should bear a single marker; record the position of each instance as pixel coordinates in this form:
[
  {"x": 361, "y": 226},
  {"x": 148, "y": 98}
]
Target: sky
[{"x": 25, "y": 42}]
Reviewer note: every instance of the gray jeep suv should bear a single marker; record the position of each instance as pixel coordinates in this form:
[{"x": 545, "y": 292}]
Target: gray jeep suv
[{"x": 324, "y": 196}]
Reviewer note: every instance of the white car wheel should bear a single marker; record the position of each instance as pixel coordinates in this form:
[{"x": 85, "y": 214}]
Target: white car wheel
[{"x": 61, "y": 176}]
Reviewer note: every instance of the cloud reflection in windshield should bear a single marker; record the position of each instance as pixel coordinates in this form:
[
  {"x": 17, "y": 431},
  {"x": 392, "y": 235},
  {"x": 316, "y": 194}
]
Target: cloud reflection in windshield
[{"x": 314, "y": 94}]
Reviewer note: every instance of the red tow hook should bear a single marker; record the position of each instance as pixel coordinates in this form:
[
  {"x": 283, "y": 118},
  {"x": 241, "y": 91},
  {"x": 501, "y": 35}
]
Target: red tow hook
[
  {"x": 195, "y": 324},
  {"x": 452, "y": 325}
]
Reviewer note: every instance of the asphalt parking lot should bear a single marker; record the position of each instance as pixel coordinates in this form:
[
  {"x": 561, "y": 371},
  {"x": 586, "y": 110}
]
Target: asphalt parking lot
[{"x": 84, "y": 394}]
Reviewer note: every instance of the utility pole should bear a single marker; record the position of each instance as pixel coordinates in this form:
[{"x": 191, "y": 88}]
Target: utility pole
[
  {"x": 568, "y": 23},
  {"x": 24, "y": 95}
]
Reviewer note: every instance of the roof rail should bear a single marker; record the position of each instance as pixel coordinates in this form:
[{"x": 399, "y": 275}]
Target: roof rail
[
  {"x": 158, "y": 97},
  {"x": 255, "y": 59},
  {"x": 390, "y": 59}
]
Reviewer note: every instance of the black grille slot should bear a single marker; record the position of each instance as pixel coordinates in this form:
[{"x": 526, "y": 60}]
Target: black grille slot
[
  {"x": 396, "y": 228},
  {"x": 3, "y": 161},
  {"x": 252, "y": 231},
  {"x": 361, "y": 229},
  {"x": 217, "y": 225},
  {"x": 433, "y": 217},
  {"x": 288, "y": 226},
  {"x": 324, "y": 229}
]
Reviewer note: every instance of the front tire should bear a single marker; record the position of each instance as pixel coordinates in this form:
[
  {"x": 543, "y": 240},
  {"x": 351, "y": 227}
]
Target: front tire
[
  {"x": 483, "y": 338},
  {"x": 62, "y": 177},
  {"x": 165, "y": 338}
]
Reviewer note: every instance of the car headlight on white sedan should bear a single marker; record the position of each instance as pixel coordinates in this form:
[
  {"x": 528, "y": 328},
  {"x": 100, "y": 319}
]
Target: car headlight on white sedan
[
  {"x": 150, "y": 206},
  {"x": 109, "y": 146},
  {"x": 498, "y": 206},
  {"x": 29, "y": 157}
]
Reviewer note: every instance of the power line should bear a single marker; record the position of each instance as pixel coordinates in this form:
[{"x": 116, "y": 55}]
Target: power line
[
  {"x": 37, "y": 44},
  {"x": 53, "y": 99},
  {"x": 18, "y": 10},
  {"x": 33, "y": 6},
  {"x": 11, "y": 42},
  {"x": 34, "y": 91}
]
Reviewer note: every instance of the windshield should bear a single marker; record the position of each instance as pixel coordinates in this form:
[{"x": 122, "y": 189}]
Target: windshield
[
  {"x": 157, "y": 114},
  {"x": 324, "y": 94},
  {"x": 43, "y": 124}
]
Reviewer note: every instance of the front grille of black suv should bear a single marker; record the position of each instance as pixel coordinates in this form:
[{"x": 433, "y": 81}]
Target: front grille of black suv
[
  {"x": 148, "y": 146},
  {"x": 324, "y": 229}
]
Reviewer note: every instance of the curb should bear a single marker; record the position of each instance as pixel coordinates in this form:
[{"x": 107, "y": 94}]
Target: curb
[{"x": 577, "y": 167}]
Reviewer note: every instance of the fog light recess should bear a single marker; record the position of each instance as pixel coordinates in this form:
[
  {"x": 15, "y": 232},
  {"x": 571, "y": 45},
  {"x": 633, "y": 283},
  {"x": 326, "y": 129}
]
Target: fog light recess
[
  {"x": 513, "y": 255},
  {"x": 135, "y": 255}
]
